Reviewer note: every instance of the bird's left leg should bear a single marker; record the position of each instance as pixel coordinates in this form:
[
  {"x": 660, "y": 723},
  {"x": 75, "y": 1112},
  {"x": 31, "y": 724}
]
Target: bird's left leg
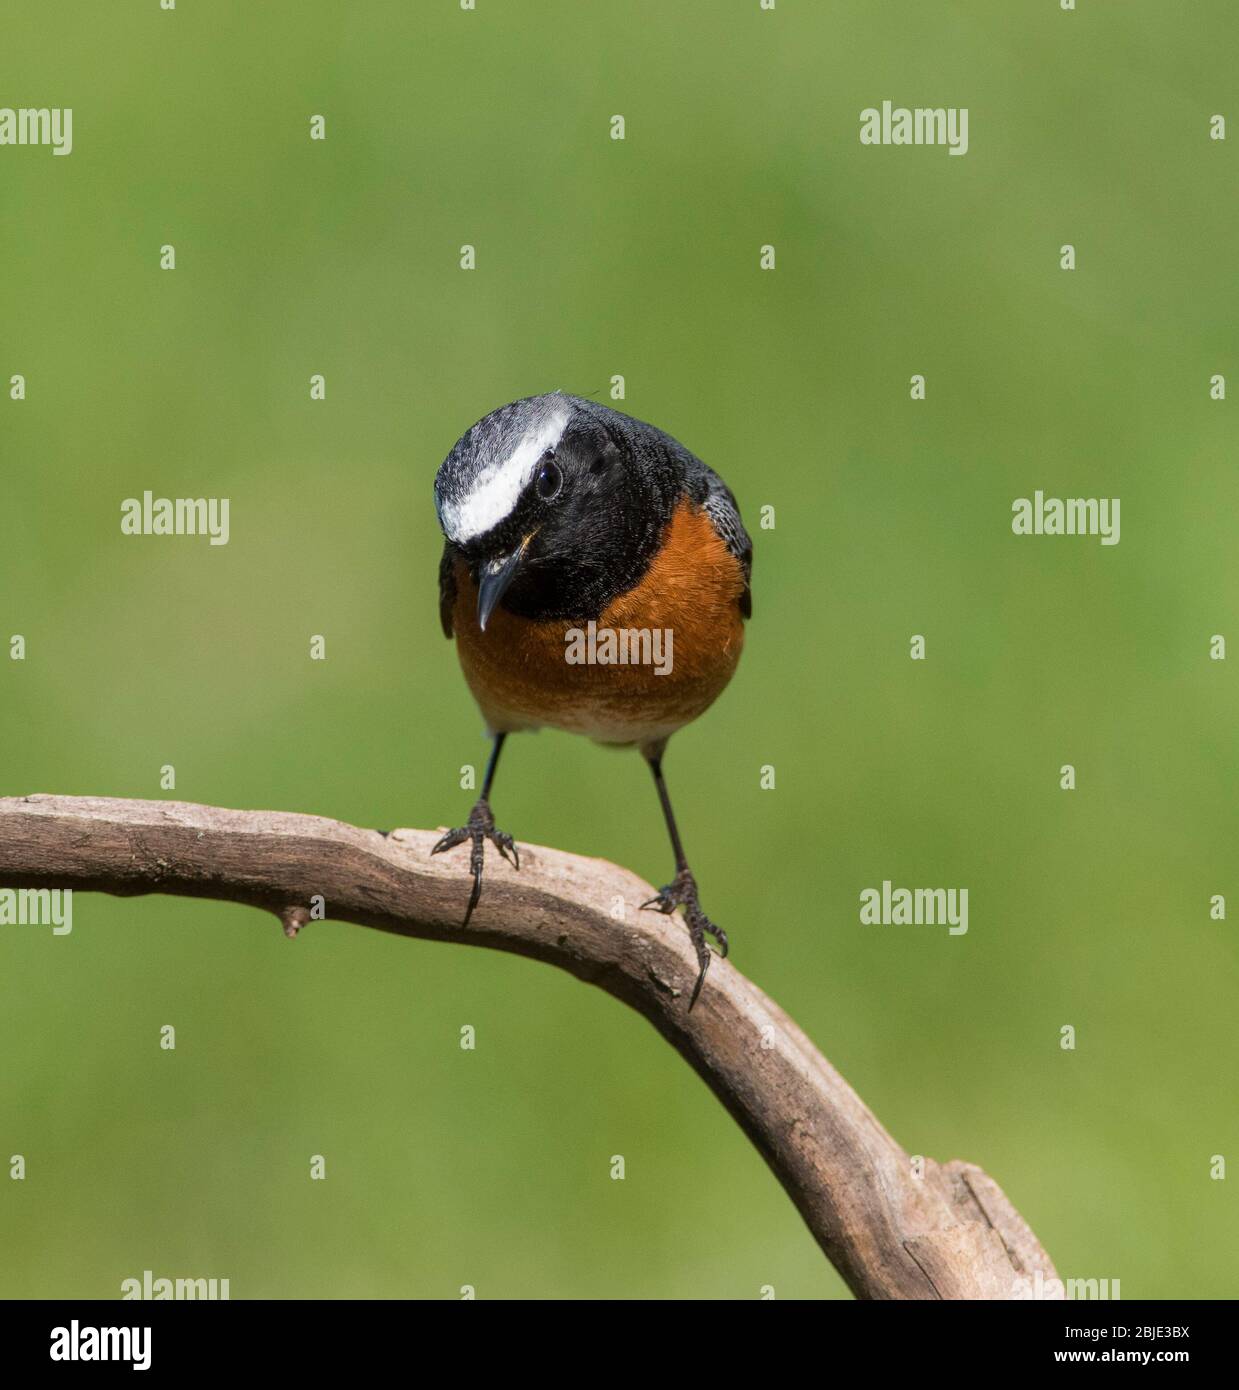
[
  {"x": 682, "y": 890},
  {"x": 479, "y": 829}
]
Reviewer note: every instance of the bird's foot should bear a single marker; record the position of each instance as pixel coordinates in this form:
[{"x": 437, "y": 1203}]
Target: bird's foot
[
  {"x": 682, "y": 892},
  {"x": 481, "y": 827}
]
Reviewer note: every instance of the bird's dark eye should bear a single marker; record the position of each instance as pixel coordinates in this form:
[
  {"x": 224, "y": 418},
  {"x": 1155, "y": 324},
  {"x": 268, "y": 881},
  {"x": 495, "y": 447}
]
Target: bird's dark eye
[{"x": 549, "y": 479}]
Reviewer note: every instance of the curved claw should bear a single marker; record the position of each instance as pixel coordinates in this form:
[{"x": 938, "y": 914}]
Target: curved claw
[
  {"x": 452, "y": 839},
  {"x": 704, "y": 962},
  {"x": 474, "y": 895},
  {"x": 506, "y": 846}
]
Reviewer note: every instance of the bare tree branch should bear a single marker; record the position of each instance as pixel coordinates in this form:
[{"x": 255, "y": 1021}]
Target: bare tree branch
[{"x": 949, "y": 1233}]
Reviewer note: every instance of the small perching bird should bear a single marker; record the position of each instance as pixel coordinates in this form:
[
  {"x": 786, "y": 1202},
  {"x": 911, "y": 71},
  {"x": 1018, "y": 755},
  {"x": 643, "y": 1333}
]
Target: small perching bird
[{"x": 596, "y": 579}]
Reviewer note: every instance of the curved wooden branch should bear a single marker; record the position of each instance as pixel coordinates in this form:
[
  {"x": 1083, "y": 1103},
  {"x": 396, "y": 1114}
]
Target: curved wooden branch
[{"x": 947, "y": 1233}]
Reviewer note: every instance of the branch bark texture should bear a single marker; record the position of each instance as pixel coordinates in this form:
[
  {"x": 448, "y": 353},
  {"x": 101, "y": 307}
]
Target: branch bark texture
[{"x": 947, "y": 1232}]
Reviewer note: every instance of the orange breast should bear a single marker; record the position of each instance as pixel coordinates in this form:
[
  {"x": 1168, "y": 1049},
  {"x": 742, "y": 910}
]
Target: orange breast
[{"x": 673, "y": 645}]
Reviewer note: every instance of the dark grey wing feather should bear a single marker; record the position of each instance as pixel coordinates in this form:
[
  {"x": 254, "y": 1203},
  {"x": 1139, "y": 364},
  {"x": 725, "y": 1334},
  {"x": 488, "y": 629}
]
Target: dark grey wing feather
[
  {"x": 720, "y": 507},
  {"x": 447, "y": 590},
  {"x": 713, "y": 494}
]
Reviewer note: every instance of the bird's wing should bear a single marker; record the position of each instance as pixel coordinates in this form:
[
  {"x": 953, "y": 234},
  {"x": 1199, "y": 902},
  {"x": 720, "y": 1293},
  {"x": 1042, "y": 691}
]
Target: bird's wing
[
  {"x": 447, "y": 590},
  {"x": 720, "y": 507}
]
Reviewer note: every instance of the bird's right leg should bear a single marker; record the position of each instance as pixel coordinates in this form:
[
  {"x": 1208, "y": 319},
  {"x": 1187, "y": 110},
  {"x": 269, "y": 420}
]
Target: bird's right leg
[{"x": 479, "y": 829}]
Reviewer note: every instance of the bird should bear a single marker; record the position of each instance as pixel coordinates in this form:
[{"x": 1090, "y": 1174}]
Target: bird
[{"x": 575, "y": 538}]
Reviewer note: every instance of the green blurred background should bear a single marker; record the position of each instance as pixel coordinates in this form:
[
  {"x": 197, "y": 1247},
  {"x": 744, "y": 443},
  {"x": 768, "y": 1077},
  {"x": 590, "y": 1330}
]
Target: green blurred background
[{"x": 594, "y": 258}]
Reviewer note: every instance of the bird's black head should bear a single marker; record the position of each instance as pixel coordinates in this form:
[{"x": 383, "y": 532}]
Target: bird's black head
[{"x": 556, "y": 504}]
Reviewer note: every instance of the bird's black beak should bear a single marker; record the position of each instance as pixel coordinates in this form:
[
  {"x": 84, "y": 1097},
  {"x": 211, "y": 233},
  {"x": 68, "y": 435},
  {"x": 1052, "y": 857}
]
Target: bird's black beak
[{"x": 493, "y": 582}]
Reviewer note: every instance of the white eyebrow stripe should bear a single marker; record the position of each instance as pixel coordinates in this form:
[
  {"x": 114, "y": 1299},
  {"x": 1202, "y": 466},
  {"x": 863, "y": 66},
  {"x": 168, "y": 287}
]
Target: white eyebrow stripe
[{"x": 496, "y": 489}]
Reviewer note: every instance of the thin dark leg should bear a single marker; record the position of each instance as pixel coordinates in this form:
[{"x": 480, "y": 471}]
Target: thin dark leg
[
  {"x": 480, "y": 828},
  {"x": 656, "y": 767},
  {"x": 491, "y": 764},
  {"x": 682, "y": 891}
]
